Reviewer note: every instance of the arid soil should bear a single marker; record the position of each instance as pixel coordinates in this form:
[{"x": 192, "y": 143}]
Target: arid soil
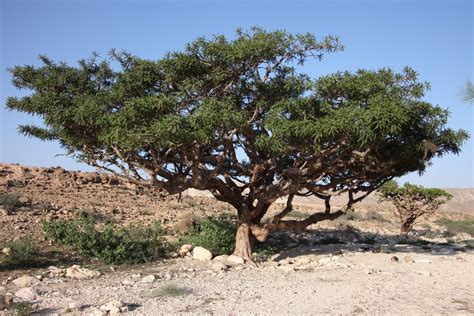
[{"x": 369, "y": 272}]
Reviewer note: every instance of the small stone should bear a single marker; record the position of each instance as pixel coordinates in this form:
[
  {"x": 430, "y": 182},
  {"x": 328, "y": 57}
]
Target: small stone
[
  {"x": 124, "y": 309},
  {"x": 149, "y": 279},
  {"x": 394, "y": 259},
  {"x": 74, "y": 306},
  {"x": 303, "y": 261},
  {"x": 25, "y": 281},
  {"x": 114, "y": 311},
  {"x": 408, "y": 259},
  {"x": 200, "y": 253},
  {"x": 39, "y": 277},
  {"x": 26, "y": 293},
  {"x": 4, "y": 211},
  {"x": 128, "y": 282},
  {"x": 219, "y": 266},
  {"x": 233, "y": 260},
  {"x": 221, "y": 258},
  {"x": 113, "y": 305},
  {"x": 6, "y": 251},
  {"x": 184, "y": 249},
  {"x": 423, "y": 261},
  {"x": 76, "y": 272},
  {"x": 97, "y": 312}
]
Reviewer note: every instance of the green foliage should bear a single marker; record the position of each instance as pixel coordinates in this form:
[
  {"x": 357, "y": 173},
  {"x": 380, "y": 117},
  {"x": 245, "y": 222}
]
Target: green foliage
[
  {"x": 459, "y": 226},
  {"x": 217, "y": 234},
  {"x": 23, "y": 252},
  {"x": 392, "y": 190},
  {"x": 412, "y": 201},
  {"x": 215, "y": 110},
  {"x": 135, "y": 244},
  {"x": 20, "y": 309},
  {"x": 9, "y": 201}
]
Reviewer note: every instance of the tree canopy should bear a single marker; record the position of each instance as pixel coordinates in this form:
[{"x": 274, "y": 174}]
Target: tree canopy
[{"x": 238, "y": 118}]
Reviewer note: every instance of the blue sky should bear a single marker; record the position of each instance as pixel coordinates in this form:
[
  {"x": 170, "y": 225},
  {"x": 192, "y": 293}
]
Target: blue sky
[{"x": 433, "y": 37}]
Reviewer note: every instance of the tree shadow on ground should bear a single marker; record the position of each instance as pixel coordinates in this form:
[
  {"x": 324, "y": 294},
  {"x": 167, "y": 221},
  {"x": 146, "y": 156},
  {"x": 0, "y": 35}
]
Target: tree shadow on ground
[
  {"x": 44, "y": 260},
  {"x": 338, "y": 241}
]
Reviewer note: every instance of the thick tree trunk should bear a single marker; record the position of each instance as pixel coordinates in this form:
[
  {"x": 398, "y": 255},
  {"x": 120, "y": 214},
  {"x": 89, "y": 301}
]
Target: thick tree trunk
[
  {"x": 405, "y": 228},
  {"x": 243, "y": 243}
]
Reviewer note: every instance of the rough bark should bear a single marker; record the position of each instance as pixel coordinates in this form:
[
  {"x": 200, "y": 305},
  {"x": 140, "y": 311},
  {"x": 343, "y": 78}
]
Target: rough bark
[{"x": 243, "y": 243}]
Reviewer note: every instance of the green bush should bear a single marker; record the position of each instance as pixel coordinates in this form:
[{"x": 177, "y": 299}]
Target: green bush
[
  {"x": 19, "y": 309},
  {"x": 135, "y": 244},
  {"x": 23, "y": 252},
  {"x": 217, "y": 234},
  {"x": 456, "y": 227},
  {"x": 9, "y": 201}
]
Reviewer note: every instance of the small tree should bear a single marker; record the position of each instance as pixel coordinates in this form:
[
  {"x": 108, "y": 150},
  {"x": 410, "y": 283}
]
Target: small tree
[
  {"x": 235, "y": 117},
  {"x": 412, "y": 201}
]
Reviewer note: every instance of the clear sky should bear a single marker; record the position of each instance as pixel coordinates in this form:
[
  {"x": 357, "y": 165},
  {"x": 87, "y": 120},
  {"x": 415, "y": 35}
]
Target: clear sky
[{"x": 434, "y": 37}]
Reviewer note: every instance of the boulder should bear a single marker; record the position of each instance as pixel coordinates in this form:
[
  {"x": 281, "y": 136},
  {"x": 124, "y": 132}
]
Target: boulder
[
  {"x": 200, "y": 253},
  {"x": 25, "y": 281},
  {"x": 76, "y": 272},
  {"x": 26, "y": 293},
  {"x": 234, "y": 260}
]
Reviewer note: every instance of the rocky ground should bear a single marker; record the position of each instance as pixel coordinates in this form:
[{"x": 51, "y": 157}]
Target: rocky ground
[{"x": 355, "y": 265}]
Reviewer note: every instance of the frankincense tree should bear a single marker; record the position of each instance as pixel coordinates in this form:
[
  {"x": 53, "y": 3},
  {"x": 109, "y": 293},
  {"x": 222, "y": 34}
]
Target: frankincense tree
[
  {"x": 237, "y": 118},
  {"x": 412, "y": 201}
]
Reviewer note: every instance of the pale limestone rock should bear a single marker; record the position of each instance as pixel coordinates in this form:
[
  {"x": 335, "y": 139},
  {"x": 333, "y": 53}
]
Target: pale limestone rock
[
  {"x": 219, "y": 266},
  {"x": 26, "y": 293},
  {"x": 184, "y": 249},
  {"x": 25, "y": 281},
  {"x": 234, "y": 260},
  {"x": 76, "y": 272},
  {"x": 221, "y": 258},
  {"x": 200, "y": 253}
]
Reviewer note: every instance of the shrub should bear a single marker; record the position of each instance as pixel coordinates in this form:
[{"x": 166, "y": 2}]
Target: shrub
[
  {"x": 23, "y": 252},
  {"x": 456, "y": 227},
  {"x": 376, "y": 216},
  {"x": 217, "y": 234},
  {"x": 20, "y": 309},
  {"x": 9, "y": 201},
  {"x": 135, "y": 244}
]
